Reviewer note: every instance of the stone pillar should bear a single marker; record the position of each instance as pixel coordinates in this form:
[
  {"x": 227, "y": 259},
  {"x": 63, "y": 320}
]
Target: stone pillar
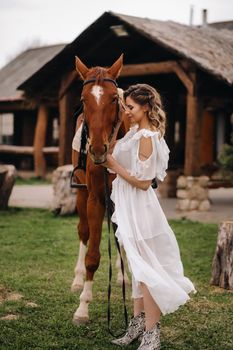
[
  {"x": 64, "y": 200},
  {"x": 192, "y": 193},
  {"x": 40, "y": 141}
]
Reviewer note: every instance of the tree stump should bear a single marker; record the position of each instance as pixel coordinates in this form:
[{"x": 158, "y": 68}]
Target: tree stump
[
  {"x": 7, "y": 180},
  {"x": 222, "y": 266}
]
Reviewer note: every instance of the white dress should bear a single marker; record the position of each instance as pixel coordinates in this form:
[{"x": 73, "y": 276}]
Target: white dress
[{"x": 151, "y": 248}]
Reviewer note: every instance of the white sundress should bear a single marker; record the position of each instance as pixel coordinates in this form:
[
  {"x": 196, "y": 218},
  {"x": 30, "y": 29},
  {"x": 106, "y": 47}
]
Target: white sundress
[{"x": 151, "y": 248}]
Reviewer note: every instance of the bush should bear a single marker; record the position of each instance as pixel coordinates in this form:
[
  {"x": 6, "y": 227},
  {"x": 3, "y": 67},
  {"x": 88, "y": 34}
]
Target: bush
[{"x": 226, "y": 160}]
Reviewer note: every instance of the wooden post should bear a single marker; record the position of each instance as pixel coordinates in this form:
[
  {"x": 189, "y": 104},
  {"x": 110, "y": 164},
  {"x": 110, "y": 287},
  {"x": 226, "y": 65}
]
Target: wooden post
[
  {"x": 222, "y": 266},
  {"x": 40, "y": 140},
  {"x": 67, "y": 124},
  {"x": 207, "y": 138},
  {"x": 193, "y": 135}
]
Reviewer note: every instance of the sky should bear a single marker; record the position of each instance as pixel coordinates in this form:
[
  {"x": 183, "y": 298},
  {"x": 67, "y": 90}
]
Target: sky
[{"x": 30, "y": 23}]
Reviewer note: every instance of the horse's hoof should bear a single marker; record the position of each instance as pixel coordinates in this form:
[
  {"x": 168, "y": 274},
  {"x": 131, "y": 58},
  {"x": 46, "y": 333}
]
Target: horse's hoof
[
  {"x": 80, "y": 320},
  {"x": 76, "y": 288}
]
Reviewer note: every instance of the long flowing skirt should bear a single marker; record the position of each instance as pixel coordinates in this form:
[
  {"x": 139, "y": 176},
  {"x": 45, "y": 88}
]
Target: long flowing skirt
[{"x": 150, "y": 244}]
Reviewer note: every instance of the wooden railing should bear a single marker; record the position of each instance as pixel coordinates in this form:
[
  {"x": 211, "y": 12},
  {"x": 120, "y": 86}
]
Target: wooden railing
[{"x": 12, "y": 149}]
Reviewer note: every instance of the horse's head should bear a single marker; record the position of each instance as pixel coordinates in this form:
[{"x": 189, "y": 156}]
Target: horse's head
[{"x": 100, "y": 105}]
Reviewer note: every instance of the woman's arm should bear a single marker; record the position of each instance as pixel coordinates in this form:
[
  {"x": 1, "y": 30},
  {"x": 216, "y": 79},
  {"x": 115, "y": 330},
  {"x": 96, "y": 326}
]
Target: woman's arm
[{"x": 132, "y": 180}]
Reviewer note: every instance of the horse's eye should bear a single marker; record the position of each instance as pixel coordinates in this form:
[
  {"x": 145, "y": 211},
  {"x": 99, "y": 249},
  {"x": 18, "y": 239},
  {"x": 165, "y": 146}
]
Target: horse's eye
[
  {"x": 114, "y": 99},
  {"x": 82, "y": 99}
]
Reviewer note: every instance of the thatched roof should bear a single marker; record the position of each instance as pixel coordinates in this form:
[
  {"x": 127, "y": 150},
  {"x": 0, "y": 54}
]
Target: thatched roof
[
  {"x": 211, "y": 49},
  {"x": 21, "y": 68},
  {"x": 222, "y": 25}
]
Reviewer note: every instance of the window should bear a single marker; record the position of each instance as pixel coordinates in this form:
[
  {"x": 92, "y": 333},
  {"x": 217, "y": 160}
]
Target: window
[{"x": 6, "y": 128}]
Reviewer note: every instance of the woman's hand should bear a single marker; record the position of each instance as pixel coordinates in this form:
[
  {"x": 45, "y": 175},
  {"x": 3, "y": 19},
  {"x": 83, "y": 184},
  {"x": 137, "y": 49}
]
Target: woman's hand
[{"x": 110, "y": 162}]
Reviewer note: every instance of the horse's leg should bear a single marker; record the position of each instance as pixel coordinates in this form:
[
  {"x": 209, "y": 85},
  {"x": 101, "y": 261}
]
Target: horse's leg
[
  {"x": 118, "y": 266},
  {"x": 95, "y": 212},
  {"x": 83, "y": 232}
]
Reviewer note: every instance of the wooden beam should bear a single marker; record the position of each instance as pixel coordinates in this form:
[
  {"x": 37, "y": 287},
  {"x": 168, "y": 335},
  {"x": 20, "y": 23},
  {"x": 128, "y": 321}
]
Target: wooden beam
[
  {"x": 26, "y": 150},
  {"x": 193, "y": 136},
  {"x": 39, "y": 141},
  {"x": 140, "y": 69},
  {"x": 147, "y": 68},
  {"x": 12, "y": 149},
  {"x": 67, "y": 105},
  {"x": 183, "y": 76}
]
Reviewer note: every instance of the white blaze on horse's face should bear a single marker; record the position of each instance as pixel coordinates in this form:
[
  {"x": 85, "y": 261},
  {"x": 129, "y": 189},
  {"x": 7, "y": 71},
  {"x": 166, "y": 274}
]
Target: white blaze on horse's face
[{"x": 97, "y": 91}]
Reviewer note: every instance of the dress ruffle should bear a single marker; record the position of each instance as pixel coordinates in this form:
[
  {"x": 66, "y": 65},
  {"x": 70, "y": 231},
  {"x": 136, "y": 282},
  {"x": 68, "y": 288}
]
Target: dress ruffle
[{"x": 162, "y": 157}]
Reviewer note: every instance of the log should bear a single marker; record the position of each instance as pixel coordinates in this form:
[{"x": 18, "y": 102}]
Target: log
[
  {"x": 12, "y": 149},
  {"x": 192, "y": 142},
  {"x": 67, "y": 105},
  {"x": 40, "y": 140},
  {"x": 222, "y": 266}
]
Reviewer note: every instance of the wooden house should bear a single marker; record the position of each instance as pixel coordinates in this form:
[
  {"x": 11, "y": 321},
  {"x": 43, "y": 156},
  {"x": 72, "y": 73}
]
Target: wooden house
[
  {"x": 18, "y": 114},
  {"x": 192, "y": 68}
]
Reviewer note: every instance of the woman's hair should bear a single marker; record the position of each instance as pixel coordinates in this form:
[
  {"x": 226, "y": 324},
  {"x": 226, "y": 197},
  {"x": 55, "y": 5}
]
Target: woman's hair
[{"x": 146, "y": 94}]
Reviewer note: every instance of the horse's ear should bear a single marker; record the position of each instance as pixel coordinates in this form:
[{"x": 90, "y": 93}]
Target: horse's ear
[
  {"x": 81, "y": 68},
  {"x": 115, "y": 69}
]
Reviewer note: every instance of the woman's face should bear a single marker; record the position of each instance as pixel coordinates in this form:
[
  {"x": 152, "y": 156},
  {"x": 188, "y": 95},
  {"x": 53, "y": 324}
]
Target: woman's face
[{"x": 134, "y": 111}]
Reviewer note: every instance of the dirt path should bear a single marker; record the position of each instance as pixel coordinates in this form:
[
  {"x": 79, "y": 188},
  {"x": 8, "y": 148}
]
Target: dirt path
[{"x": 41, "y": 196}]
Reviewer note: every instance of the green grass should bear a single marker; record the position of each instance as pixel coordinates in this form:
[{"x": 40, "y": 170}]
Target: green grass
[{"x": 37, "y": 257}]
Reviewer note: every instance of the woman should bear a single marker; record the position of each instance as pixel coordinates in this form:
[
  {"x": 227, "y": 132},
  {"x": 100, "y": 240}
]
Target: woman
[{"x": 158, "y": 282}]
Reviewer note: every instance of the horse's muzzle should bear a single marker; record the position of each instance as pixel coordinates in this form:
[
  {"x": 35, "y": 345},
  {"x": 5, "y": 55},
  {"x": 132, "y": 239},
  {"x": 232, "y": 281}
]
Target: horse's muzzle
[{"x": 98, "y": 158}]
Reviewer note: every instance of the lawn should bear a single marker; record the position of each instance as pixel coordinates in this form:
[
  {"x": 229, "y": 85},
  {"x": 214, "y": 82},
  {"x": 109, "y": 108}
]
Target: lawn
[{"x": 37, "y": 256}]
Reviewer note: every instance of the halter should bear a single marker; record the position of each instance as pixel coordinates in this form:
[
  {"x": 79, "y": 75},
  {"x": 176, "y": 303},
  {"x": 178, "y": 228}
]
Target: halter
[{"x": 93, "y": 80}]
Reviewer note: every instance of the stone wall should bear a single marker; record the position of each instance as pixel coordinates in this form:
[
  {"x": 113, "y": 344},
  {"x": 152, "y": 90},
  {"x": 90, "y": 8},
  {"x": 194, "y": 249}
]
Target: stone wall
[
  {"x": 167, "y": 188},
  {"x": 64, "y": 200},
  {"x": 192, "y": 193}
]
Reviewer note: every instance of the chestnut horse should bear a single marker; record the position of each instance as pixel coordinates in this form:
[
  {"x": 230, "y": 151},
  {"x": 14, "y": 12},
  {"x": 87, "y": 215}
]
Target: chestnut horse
[{"x": 100, "y": 111}]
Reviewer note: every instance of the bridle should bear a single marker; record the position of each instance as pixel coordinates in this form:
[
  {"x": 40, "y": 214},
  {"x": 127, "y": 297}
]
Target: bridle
[{"x": 117, "y": 117}]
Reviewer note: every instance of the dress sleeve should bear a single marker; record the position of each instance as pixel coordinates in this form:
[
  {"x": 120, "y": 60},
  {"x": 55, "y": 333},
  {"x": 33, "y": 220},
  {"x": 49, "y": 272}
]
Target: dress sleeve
[
  {"x": 162, "y": 157},
  {"x": 144, "y": 169},
  {"x": 156, "y": 165}
]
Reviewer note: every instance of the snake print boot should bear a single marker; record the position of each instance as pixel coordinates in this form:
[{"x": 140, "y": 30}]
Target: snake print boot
[
  {"x": 151, "y": 339},
  {"x": 135, "y": 329}
]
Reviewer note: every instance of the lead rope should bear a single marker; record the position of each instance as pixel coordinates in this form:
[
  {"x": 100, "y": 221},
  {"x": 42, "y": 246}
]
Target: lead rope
[{"x": 109, "y": 209}]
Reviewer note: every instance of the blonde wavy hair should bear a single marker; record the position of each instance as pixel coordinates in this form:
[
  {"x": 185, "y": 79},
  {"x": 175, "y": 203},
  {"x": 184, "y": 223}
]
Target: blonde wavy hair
[{"x": 146, "y": 94}]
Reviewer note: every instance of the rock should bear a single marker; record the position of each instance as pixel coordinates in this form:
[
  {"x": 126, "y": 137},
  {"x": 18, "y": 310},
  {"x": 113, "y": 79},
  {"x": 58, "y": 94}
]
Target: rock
[
  {"x": 31, "y": 304},
  {"x": 193, "y": 204},
  {"x": 180, "y": 193},
  {"x": 14, "y": 296},
  {"x": 197, "y": 192},
  {"x": 183, "y": 204},
  {"x": 10, "y": 317},
  {"x": 204, "y": 205},
  {"x": 203, "y": 181},
  {"x": 64, "y": 201},
  {"x": 202, "y": 194},
  {"x": 7, "y": 180},
  {"x": 181, "y": 182},
  {"x": 190, "y": 181}
]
